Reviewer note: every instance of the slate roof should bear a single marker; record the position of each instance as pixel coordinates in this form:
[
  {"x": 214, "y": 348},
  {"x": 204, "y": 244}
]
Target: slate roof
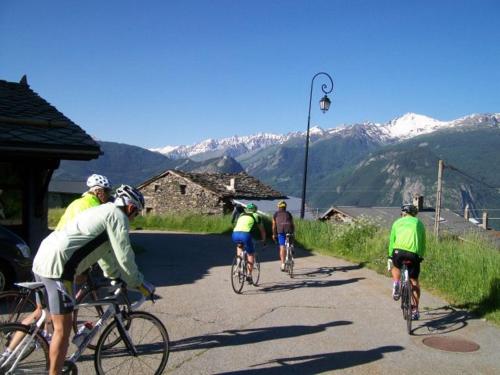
[
  {"x": 246, "y": 186},
  {"x": 30, "y": 126}
]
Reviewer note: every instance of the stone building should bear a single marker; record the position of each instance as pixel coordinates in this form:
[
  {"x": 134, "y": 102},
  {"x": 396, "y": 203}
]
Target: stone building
[{"x": 203, "y": 193}]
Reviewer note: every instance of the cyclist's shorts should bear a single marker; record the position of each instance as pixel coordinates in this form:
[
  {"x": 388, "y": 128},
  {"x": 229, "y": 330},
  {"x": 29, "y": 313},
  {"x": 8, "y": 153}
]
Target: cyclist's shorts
[
  {"x": 58, "y": 294},
  {"x": 414, "y": 268},
  {"x": 282, "y": 239},
  {"x": 246, "y": 239}
]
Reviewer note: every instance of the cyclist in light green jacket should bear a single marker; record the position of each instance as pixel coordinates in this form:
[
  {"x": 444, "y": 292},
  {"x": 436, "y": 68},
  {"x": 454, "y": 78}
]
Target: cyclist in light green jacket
[
  {"x": 74, "y": 248},
  {"x": 407, "y": 242}
]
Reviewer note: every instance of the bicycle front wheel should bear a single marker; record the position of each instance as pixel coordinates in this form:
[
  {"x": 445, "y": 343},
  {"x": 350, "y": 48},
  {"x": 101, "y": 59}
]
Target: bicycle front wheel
[
  {"x": 256, "y": 270},
  {"x": 237, "y": 276},
  {"x": 290, "y": 261},
  {"x": 34, "y": 354},
  {"x": 149, "y": 338},
  {"x": 15, "y": 306}
]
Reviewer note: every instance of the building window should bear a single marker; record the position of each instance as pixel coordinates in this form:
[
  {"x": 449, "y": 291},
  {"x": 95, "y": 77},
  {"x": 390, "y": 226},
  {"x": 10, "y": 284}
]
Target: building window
[
  {"x": 149, "y": 210},
  {"x": 157, "y": 187},
  {"x": 182, "y": 189}
]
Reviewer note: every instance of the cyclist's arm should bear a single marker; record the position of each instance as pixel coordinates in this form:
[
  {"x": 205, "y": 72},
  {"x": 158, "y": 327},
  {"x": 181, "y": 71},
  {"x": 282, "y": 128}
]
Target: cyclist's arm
[
  {"x": 119, "y": 238},
  {"x": 392, "y": 238},
  {"x": 108, "y": 263},
  {"x": 262, "y": 232},
  {"x": 274, "y": 230},
  {"x": 421, "y": 239}
]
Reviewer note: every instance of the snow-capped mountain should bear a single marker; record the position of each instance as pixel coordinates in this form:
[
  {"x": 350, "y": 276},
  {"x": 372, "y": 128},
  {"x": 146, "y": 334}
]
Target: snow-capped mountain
[
  {"x": 232, "y": 146},
  {"x": 400, "y": 128}
]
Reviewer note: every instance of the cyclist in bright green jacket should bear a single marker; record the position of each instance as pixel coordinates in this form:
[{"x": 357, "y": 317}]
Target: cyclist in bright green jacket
[{"x": 407, "y": 242}]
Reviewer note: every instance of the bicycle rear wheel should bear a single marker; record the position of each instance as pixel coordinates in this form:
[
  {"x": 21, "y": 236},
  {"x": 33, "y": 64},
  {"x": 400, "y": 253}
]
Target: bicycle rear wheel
[
  {"x": 149, "y": 337},
  {"x": 15, "y": 306},
  {"x": 237, "y": 275},
  {"x": 34, "y": 357},
  {"x": 408, "y": 298}
]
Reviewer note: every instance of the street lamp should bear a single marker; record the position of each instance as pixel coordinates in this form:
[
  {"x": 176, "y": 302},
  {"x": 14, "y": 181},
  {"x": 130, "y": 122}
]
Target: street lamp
[{"x": 324, "y": 105}]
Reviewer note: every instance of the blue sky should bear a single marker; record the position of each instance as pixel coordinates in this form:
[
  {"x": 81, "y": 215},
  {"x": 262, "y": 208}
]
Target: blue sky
[{"x": 157, "y": 73}]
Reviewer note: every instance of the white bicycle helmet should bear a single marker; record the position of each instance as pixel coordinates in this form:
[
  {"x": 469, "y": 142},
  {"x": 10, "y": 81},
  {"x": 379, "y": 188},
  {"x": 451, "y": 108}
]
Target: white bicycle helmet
[
  {"x": 126, "y": 194},
  {"x": 98, "y": 180}
]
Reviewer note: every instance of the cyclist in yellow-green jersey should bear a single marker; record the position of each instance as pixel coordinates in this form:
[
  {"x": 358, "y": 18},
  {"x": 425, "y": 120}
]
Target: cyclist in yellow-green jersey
[
  {"x": 242, "y": 234},
  {"x": 407, "y": 242},
  {"x": 99, "y": 192}
]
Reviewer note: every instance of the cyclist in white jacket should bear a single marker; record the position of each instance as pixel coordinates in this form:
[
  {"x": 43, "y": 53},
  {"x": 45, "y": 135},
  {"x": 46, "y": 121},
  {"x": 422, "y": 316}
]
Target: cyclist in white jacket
[{"x": 76, "y": 247}]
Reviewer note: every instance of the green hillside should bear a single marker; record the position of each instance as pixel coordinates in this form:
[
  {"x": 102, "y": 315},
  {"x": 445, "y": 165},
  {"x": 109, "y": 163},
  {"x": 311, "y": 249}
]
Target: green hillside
[{"x": 393, "y": 173}]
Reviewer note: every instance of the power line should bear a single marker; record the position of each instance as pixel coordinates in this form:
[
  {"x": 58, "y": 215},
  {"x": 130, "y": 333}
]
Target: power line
[{"x": 470, "y": 177}]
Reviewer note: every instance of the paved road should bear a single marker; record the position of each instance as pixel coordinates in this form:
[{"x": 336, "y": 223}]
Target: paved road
[{"x": 333, "y": 317}]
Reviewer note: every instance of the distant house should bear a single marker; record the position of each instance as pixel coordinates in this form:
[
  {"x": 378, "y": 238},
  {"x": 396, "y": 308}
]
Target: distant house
[
  {"x": 34, "y": 138},
  {"x": 206, "y": 193}
]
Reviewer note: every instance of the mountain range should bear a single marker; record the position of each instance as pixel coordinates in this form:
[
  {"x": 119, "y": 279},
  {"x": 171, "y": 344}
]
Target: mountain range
[{"x": 358, "y": 164}]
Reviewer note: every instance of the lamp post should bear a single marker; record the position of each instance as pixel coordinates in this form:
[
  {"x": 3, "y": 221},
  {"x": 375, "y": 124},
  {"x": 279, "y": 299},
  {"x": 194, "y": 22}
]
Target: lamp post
[{"x": 324, "y": 105}]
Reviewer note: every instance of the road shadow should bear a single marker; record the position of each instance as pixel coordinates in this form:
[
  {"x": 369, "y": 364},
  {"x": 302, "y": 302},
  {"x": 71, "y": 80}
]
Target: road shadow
[
  {"x": 350, "y": 267},
  {"x": 440, "y": 320},
  {"x": 183, "y": 258},
  {"x": 309, "y": 273},
  {"x": 292, "y": 285},
  {"x": 250, "y": 336},
  {"x": 319, "y": 363}
]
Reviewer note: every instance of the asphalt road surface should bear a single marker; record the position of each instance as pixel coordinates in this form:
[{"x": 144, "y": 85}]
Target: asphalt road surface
[{"x": 334, "y": 316}]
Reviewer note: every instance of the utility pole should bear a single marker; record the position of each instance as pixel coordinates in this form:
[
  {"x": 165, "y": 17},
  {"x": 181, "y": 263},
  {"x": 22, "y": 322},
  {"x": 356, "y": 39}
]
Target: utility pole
[{"x": 438, "y": 198}]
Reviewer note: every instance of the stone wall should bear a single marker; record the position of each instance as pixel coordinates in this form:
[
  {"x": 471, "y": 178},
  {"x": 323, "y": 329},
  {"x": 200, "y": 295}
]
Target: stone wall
[{"x": 173, "y": 194}]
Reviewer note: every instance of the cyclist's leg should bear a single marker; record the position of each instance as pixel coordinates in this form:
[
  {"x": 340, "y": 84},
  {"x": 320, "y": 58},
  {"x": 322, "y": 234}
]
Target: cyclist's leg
[
  {"x": 281, "y": 242},
  {"x": 60, "y": 341},
  {"x": 396, "y": 275},
  {"x": 414, "y": 273},
  {"x": 396, "y": 266},
  {"x": 250, "y": 253},
  {"x": 61, "y": 305}
]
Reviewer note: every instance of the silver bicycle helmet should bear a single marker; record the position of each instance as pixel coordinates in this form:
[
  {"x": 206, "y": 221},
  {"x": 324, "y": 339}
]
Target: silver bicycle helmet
[{"x": 126, "y": 194}]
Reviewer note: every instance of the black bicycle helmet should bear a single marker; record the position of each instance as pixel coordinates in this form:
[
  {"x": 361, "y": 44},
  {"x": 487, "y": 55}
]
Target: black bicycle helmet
[{"x": 409, "y": 209}]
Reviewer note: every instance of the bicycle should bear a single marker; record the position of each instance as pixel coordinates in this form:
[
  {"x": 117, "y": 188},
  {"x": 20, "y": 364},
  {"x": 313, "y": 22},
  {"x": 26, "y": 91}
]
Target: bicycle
[
  {"x": 406, "y": 294},
  {"x": 16, "y": 305},
  {"x": 124, "y": 336},
  {"x": 239, "y": 269},
  {"x": 289, "y": 262}
]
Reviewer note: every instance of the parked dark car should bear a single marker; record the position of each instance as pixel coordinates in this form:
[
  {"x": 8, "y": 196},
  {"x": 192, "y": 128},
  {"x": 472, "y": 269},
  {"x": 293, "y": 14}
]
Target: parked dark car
[{"x": 15, "y": 259}]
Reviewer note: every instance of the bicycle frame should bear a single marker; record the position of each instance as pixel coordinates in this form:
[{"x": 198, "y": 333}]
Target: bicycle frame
[{"x": 112, "y": 311}]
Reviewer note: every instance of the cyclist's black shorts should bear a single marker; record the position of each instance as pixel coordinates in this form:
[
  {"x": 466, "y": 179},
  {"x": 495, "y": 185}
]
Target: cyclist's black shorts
[{"x": 414, "y": 268}]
